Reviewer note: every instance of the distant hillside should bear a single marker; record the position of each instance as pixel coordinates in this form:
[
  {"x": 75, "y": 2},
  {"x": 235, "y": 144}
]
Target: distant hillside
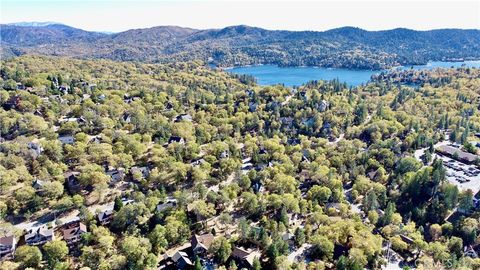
[
  {"x": 241, "y": 45},
  {"x": 36, "y": 24},
  {"x": 26, "y": 36}
]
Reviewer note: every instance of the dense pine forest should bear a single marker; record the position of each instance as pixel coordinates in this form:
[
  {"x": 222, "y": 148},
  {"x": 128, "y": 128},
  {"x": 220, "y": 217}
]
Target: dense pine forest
[{"x": 124, "y": 165}]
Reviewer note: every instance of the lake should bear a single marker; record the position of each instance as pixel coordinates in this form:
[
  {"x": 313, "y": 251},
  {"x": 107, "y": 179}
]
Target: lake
[{"x": 294, "y": 76}]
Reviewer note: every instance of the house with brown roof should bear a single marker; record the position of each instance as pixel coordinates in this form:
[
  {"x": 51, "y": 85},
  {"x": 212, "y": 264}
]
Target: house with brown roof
[
  {"x": 72, "y": 232},
  {"x": 457, "y": 154},
  {"x": 7, "y": 247},
  {"x": 105, "y": 216},
  {"x": 201, "y": 243},
  {"x": 245, "y": 256}
]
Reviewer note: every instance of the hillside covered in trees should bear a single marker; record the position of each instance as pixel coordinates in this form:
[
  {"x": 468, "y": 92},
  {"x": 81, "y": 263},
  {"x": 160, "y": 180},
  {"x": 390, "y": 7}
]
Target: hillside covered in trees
[
  {"x": 347, "y": 47},
  {"x": 111, "y": 165}
]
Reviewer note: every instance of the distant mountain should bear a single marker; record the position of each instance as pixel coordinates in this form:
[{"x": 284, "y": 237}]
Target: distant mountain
[
  {"x": 33, "y": 24},
  {"x": 51, "y": 34},
  {"x": 241, "y": 45}
]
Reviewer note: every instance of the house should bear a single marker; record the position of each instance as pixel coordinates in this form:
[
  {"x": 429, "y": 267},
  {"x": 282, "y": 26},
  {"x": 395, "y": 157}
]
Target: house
[
  {"x": 289, "y": 238},
  {"x": 66, "y": 139},
  {"x": 457, "y": 154},
  {"x": 293, "y": 141},
  {"x": 180, "y": 259},
  {"x": 73, "y": 184},
  {"x": 287, "y": 121},
  {"x": 258, "y": 187},
  {"x": 35, "y": 148},
  {"x": 116, "y": 175},
  {"x": 169, "y": 203},
  {"x": 372, "y": 174},
  {"x": 64, "y": 89},
  {"x": 38, "y": 185},
  {"x": 136, "y": 170},
  {"x": 323, "y": 105},
  {"x": 183, "y": 117},
  {"x": 197, "y": 162},
  {"x": 126, "y": 201},
  {"x": 252, "y": 106},
  {"x": 336, "y": 207},
  {"x": 245, "y": 257},
  {"x": 127, "y": 117},
  {"x": 85, "y": 97},
  {"x": 69, "y": 120},
  {"x": 39, "y": 236},
  {"x": 126, "y": 98},
  {"x": 201, "y": 243},
  {"x": 263, "y": 151},
  {"x": 20, "y": 86},
  {"x": 326, "y": 128},
  {"x": 470, "y": 252},
  {"x": 246, "y": 167},
  {"x": 7, "y": 247},
  {"x": 72, "y": 232},
  {"x": 12, "y": 103},
  {"x": 246, "y": 160},
  {"x": 96, "y": 139},
  {"x": 169, "y": 106},
  {"x": 79, "y": 120},
  {"x": 38, "y": 113},
  {"x": 105, "y": 216},
  {"x": 406, "y": 239},
  {"x": 175, "y": 139},
  {"x": 225, "y": 154},
  {"x": 309, "y": 121}
]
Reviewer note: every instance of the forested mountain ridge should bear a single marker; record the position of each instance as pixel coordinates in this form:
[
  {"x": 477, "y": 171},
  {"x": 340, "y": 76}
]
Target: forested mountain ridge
[{"x": 243, "y": 45}]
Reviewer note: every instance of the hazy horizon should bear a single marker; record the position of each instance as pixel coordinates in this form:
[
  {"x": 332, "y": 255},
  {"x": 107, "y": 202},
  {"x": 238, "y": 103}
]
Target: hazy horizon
[
  {"x": 113, "y": 32},
  {"x": 118, "y": 16}
]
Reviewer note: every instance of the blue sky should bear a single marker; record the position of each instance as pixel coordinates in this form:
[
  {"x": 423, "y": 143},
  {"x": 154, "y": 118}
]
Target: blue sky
[{"x": 291, "y": 15}]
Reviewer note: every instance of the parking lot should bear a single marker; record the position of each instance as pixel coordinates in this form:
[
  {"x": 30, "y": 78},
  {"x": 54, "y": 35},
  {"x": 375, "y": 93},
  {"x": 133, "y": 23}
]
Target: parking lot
[{"x": 462, "y": 175}]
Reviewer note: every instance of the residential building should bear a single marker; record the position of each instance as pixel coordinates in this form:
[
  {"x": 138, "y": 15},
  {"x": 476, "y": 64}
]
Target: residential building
[
  {"x": 143, "y": 171},
  {"x": 72, "y": 232},
  {"x": 7, "y": 247},
  {"x": 105, "y": 216},
  {"x": 457, "y": 154},
  {"x": 35, "y": 148},
  {"x": 175, "y": 139},
  {"x": 116, "y": 175},
  {"x": 183, "y": 117},
  {"x": 181, "y": 260},
  {"x": 201, "y": 243},
  {"x": 39, "y": 236},
  {"x": 73, "y": 184},
  {"x": 169, "y": 203},
  {"x": 245, "y": 257},
  {"x": 66, "y": 139}
]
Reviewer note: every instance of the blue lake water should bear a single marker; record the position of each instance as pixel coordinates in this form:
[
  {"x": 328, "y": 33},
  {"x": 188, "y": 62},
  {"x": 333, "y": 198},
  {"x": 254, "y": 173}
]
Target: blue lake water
[{"x": 294, "y": 76}]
